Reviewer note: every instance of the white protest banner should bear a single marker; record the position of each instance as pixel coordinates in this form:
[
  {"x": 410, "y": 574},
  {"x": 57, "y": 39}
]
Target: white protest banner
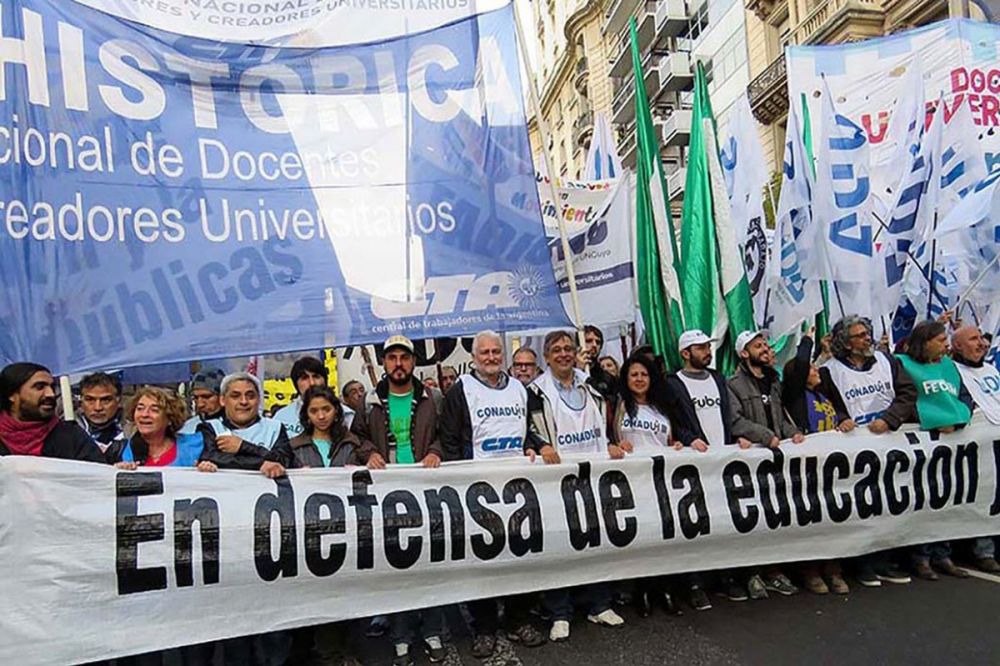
[
  {"x": 958, "y": 58},
  {"x": 598, "y": 220},
  {"x": 104, "y": 563}
]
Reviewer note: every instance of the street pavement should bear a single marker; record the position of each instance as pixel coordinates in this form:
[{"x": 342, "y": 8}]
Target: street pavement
[{"x": 945, "y": 622}]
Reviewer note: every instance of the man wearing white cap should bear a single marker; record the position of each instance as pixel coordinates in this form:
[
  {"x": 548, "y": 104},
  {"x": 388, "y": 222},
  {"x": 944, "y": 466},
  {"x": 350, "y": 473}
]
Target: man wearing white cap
[
  {"x": 760, "y": 416},
  {"x": 701, "y": 413}
]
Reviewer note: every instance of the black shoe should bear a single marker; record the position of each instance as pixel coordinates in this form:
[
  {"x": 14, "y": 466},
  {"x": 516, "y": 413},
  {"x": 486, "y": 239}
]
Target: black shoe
[
  {"x": 483, "y": 646},
  {"x": 527, "y": 636},
  {"x": 668, "y": 605},
  {"x": 699, "y": 600},
  {"x": 734, "y": 591},
  {"x": 644, "y": 604},
  {"x": 435, "y": 653},
  {"x": 377, "y": 627},
  {"x": 892, "y": 574},
  {"x": 867, "y": 577}
]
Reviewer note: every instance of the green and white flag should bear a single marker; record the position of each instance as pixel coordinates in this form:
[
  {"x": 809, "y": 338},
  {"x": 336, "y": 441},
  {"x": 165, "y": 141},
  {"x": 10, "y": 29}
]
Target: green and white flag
[
  {"x": 716, "y": 294},
  {"x": 656, "y": 244}
]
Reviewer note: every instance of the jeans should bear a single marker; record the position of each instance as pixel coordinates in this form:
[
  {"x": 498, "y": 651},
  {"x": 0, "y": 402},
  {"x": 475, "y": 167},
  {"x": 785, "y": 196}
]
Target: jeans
[
  {"x": 983, "y": 547},
  {"x": 484, "y": 612},
  {"x": 596, "y": 598},
  {"x": 931, "y": 552},
  {"x": 407, "y": 626}
]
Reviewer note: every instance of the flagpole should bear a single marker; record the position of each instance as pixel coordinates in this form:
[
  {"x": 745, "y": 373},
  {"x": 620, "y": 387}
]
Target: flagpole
[
  {"x": 543, "y": 133},
  {"x": 931, "y": 269},
  {"x": 979, "y": 278},
  {"x": 909, "y": 255}
]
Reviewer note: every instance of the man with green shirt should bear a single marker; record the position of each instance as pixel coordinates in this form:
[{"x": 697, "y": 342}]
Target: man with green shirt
[{"x": 398, "y": 425}]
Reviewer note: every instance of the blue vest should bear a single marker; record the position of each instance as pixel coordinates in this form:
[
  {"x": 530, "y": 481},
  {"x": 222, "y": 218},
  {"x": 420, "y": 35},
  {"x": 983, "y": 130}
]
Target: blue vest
[
  {"x": 189, "y": 449},
  {"x": 264, "y": 432}
]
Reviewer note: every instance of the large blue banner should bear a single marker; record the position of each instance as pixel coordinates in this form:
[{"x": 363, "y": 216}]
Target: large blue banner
[{"x": 164, "y": 197}]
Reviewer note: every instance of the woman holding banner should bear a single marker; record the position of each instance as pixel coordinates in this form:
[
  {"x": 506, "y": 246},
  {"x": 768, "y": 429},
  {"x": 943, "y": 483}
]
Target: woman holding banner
[
  {"x": 642, "y": 427},
  {"x": 158, "y": 416},
  {"x": 940, "y": 409}
]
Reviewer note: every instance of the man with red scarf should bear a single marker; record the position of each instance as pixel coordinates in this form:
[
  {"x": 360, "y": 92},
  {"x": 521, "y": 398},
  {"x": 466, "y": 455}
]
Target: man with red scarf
[{"x": 28, "y": 422}]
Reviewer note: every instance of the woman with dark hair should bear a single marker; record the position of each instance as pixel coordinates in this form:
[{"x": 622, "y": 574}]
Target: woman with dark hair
[
  {"x": 937, "y": 379},
  {"x": 939, "y": 409},
  {"x": 806, "y": 393},
  {"x": 325, "y": 440},
  {"x": 641, "y": 423},
  {"x": 642, "y": 427}
]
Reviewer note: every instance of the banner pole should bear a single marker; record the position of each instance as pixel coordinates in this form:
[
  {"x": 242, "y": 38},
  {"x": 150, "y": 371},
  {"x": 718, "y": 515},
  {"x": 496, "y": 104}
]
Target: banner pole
[
  {"x": 543, "y": 133},
  {"x": 66, "y": 391}
]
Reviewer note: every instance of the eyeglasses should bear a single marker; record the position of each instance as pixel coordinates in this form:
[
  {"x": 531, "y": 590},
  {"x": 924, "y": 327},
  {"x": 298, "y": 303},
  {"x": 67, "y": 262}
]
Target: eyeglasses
[{"x": 524, "y": 366}]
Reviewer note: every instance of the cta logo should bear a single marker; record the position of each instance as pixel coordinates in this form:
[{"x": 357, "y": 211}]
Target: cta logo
[
  {"x": 443, "y": 294},
  {"x": 497, "y": 444}
]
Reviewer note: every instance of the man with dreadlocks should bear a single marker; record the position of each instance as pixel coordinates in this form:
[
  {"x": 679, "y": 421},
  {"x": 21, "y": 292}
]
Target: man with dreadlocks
[{"x": 873, "y": 387}]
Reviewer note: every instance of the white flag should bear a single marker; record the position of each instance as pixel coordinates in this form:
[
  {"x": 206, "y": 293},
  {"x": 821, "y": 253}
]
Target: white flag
[
  {"x": 603, "y": 161},
  {"x": 843, "y": 203},
  {"x": 746, "y": 177},
  {"x": 793, "y": 299}
]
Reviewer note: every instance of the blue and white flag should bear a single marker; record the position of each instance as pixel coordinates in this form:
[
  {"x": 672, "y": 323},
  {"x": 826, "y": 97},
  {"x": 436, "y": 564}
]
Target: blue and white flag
[
  {"x": 747, "y": 176},
  {"x": 843, "y": 203},
  {"x": 330, "y": 175},
  {"x": 793, "y": 298},
  {"x": 603, "y": 161}
]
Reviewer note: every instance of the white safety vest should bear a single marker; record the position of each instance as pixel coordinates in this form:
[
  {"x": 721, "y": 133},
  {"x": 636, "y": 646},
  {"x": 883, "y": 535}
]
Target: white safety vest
[
  {"x": 499, "y": 417},
  {"x": 577, "y": 430},
  {"x": 867, "y": 394},
  {"x": 648, "y": 431},
  {"x": 983, "y": 384},
  {"x": 707, "y": 405}
]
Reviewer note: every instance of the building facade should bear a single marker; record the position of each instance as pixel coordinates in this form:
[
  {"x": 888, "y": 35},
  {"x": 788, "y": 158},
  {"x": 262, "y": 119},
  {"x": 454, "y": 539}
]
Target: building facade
[
  {"x": 584, "y": 67},
  {"x": 773, "y": 24}
]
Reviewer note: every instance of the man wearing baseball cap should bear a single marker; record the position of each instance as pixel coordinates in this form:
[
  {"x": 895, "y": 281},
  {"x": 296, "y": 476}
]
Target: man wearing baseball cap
[
  {"x": 206, "y": 392},
  {"x": 760, "y": 418},
  {"x": 398, "y": 425}
]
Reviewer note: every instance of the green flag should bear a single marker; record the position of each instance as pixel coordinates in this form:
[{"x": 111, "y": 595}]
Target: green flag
[
  {"x": 699, "y": 260},
  {"x": 656, "y": 244},
  {"x": 712, "y": 257}
]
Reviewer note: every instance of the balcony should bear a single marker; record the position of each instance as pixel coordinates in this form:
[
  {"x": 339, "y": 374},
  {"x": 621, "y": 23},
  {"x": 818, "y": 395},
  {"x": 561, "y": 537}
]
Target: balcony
[
  {"x": 674, "y": 73},
  {"x": 583, "y": 128},
  {"x": 676, "y": 128},
  {"x": 623, "y": 102},
  {"x": 627, "y": 146},
  {"x": 769, "y": 93},
  {"x": 837, "y": 21},
  {"x": 671, "y": 20},
  {"x": 617, "y": 17},
  {"x": 582, "y": 72},
  {"x": 675, "y": 184},
  {"x": 645, "y": 21}
]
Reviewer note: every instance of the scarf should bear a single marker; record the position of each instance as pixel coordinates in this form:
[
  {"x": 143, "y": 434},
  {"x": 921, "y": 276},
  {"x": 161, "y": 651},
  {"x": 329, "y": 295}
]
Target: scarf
[{"x": 25, "y": 438}]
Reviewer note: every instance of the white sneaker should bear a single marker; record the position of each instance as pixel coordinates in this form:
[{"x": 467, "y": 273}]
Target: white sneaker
[
  {"x": 608, "y": 618},
  {"x": 559, "y": 631}
]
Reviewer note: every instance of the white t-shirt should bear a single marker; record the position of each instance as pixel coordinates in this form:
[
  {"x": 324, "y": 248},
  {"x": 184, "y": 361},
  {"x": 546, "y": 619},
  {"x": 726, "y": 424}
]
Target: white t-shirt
[
  {"x": 648, "y": 431},
  {"x": 708, "y": 407}
]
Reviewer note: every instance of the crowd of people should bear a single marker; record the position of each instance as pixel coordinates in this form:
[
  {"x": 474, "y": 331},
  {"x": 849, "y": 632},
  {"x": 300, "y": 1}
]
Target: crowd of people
[{"x": 580, "y": 403}]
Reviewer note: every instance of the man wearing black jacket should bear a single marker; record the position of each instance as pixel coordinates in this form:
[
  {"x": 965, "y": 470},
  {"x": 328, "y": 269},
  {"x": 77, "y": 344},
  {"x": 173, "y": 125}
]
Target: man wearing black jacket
[
  {"x": 485, "y": 417},
  {"x": 28, "y": 422},
  {"x": 701, "y": 411}
]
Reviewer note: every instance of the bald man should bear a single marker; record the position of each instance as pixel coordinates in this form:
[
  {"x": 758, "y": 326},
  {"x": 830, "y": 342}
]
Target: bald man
[{"x": 981, "y": 383}]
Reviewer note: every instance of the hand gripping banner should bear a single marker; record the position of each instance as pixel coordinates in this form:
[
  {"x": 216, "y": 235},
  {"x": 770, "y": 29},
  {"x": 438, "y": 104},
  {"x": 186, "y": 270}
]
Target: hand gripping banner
[
  {"x": 164, "y": 197},
  {"x": 105, "y": 563}
]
